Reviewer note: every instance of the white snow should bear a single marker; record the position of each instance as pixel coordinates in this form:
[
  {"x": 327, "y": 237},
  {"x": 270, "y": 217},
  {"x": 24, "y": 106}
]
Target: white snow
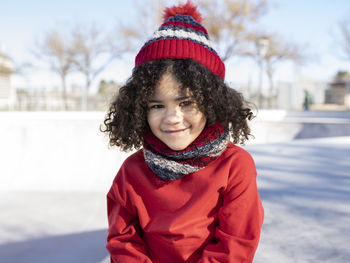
[
  {"x": 305, "y": 188},
  {"x": 55, "y": 171}
]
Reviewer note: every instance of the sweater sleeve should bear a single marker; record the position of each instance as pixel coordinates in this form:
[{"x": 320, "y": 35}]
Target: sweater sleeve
[
  {"x": 239, "y": 220},
  {"x": 124, "y": 241}
]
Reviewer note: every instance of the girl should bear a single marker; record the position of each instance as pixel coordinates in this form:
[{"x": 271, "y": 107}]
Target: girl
[{"x": 189, "y": 195}]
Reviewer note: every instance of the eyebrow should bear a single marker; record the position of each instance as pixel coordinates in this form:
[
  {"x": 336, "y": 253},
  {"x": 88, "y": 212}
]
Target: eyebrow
[{"x": 177, "y": 99}]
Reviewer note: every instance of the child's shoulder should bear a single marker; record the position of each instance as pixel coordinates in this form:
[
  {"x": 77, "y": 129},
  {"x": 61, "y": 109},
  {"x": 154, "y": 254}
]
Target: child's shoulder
[
  {"x": 133, "y": 165},
  {"x": 239, "y": 158},
  {"x": 237, "y": 152},
  {"x": 135, "y": 158}
]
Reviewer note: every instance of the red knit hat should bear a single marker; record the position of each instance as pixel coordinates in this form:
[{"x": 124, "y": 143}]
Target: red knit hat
[{"x": 181, "y": 36}]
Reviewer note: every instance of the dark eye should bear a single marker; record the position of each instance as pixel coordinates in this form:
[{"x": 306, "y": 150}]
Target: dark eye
[
  {"x": 156, "y": 106},
  {"x": 186, "y": 103}
]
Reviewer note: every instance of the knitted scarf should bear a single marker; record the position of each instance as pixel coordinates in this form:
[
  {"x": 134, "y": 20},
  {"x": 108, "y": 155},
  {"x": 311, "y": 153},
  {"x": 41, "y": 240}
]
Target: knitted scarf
[{"x": 170, "y": 165}]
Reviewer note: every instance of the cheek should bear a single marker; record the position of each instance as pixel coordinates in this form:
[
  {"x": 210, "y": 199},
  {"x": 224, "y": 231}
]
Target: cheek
[
  {"x": 152, "y": 118},
  {"x": 198, "y": 120},
  {"x": 149, "y": 119},
  {"x": 202, "y": 122},
  {"x": 196, "y": 116}
]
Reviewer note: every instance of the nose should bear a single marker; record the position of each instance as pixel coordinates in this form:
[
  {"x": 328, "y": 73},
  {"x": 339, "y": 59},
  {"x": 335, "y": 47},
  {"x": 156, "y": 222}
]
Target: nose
[{"x": 173, "y": 115}]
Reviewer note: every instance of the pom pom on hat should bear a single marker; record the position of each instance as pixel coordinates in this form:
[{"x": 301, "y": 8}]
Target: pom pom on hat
[
  {"x": 181, "y": 36},
  {"x": 184, "y": 9}
]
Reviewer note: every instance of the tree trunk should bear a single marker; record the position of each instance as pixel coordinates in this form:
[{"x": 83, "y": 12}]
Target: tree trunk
[
  {"x": 260, "y": 95},
  {"x": 271, "y": 102},
  {"x": 64, "y": 91},
  {"x": 84, "y": 95}
]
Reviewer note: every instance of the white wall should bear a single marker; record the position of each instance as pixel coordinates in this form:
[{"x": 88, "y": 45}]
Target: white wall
[
  {"x": 65, "y": 151},
  {"x": 48, "y": 151}
]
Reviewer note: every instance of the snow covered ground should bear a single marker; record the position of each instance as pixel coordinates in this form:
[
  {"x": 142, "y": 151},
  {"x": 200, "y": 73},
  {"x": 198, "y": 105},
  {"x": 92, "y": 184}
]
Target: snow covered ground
[
  {"x": 305, "y": 188},
  {"x": 304, "y": 185}
]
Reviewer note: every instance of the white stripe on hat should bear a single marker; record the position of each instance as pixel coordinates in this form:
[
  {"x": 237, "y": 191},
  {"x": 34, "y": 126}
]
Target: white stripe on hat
[{"x": 181, "y": 34}]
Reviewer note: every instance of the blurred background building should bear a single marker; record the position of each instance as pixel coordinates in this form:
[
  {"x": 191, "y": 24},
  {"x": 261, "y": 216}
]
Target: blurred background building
[
  {"x": 338, "y": 91},
  {"x": 7, "y": 91}
]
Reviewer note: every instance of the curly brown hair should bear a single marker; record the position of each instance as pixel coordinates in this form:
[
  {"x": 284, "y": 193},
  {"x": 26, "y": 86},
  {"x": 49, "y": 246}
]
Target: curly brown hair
[{"x": 126, "y": 119}]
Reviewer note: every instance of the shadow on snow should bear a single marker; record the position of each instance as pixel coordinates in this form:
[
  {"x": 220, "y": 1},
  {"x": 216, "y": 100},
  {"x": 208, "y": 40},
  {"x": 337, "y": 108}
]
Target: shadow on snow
[{"x": 88, "y": 247}]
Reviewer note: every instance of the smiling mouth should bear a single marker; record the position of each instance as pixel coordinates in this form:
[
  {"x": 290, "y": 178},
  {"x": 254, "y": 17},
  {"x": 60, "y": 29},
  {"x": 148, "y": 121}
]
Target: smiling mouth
[{"x": 175, "y": 131}]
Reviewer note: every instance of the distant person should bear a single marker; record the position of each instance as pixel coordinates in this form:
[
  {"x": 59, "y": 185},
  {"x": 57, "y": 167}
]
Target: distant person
[
  {"x": 307, "y": 100},
  {"x": 189, "y": 195}
]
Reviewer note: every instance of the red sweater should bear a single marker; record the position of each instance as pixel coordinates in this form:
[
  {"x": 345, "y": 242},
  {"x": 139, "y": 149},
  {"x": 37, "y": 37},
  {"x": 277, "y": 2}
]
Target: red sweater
[{"x": 213, "y": 215}]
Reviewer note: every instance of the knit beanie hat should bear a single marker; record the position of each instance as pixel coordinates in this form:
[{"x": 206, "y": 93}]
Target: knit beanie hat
[{"x": 181, "y": 36}]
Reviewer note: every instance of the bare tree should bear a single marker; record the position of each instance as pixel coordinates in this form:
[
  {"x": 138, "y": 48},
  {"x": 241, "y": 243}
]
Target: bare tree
[
  {"x": 269, "y": 50},
  {"x": 229, "y": 23},
  {"x": 344, "y": 30},
  {"x": 93, "y": 52},
  {"x": 55, "y": 50},
  {"x": 148, "y": 18},
  {"x": 279, "y": 51}
]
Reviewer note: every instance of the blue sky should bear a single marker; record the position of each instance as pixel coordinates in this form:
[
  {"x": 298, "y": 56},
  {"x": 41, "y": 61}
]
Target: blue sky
[{"x": 311, "y": 23}]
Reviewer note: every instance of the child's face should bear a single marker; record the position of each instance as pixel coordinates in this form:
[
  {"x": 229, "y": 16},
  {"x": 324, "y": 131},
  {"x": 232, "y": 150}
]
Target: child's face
[{"x": 173, "y": 115}]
